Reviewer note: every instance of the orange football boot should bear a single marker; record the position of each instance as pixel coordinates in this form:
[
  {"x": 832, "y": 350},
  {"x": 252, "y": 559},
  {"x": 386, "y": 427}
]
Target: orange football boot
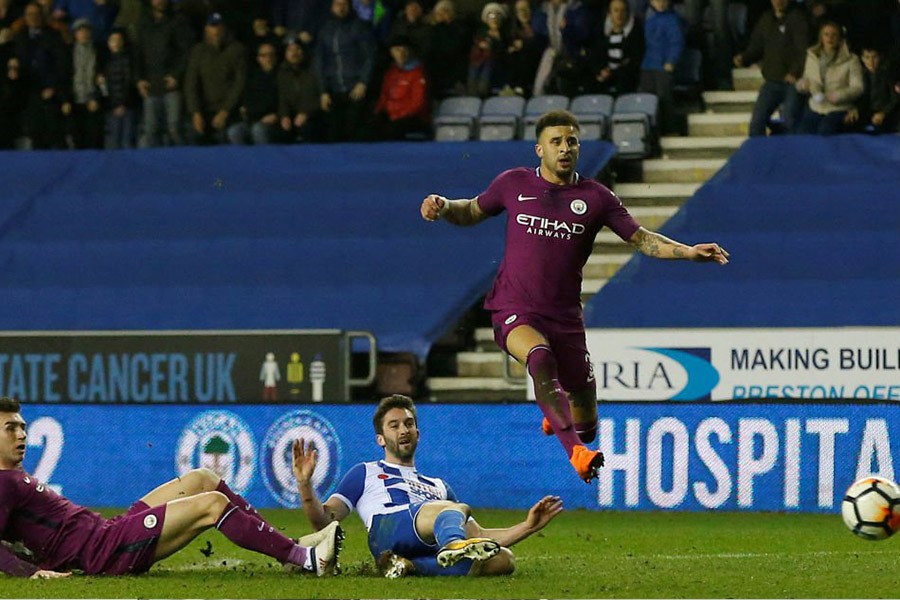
[{"x": 586, "y": 462}]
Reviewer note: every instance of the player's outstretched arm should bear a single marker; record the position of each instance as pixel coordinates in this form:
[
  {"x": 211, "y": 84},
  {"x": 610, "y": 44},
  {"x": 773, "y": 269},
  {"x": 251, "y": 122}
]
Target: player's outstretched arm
[
  {"x": 657, "y": 245},
  {"x": 538, "y": 516},
  {"x": 458, "y": 212},
  {"x": 304, "y": 465}
]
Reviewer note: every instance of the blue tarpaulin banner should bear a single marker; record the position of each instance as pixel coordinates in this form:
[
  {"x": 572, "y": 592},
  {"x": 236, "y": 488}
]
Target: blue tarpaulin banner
[
  {"x": 813, "y": 227},
  {"x": 660, "y": 456},
  {"x": 289, "y": 237}
]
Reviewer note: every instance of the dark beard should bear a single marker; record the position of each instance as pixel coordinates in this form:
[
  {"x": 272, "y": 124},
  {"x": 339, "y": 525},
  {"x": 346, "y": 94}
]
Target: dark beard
[{"x": 402, "y": 454}]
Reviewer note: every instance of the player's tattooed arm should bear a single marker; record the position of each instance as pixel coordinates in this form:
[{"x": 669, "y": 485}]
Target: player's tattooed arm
[{"x": 657, "y": 245}]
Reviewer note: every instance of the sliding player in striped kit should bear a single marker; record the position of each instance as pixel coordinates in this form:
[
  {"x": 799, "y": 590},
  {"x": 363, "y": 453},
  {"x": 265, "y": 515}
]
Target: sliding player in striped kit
[{"x": 415, "y": 522}]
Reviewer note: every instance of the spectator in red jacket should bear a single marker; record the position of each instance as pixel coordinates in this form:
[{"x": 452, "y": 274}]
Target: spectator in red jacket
[{"x": 402, "y": 110}]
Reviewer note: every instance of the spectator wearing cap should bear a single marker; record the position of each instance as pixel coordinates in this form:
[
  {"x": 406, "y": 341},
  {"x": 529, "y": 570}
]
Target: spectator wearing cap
[
  {"x": 82, "y": 107},
  {"x": 298, "y": 96},
  {"x": 163, "y": 45},
  {"x": 403, "y": 107},
  {"x": 214, "y": 83},
  {"x": 45, "y": 68},
  {"x": 343, "y": 60}
]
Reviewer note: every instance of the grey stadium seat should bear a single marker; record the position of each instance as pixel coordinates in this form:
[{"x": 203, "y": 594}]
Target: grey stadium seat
[
  {"x": 500, "y": 118},
  {"x": 456, "y": 119},
  {"x": 593, "y": 112},
  {"x": 633, "y": 123},
  {"x": 537, "y": 106}
]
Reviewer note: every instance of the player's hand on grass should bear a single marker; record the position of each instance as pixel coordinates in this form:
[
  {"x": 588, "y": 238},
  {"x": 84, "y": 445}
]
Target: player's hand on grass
[
  {"x": 543, "y": 512},
  {"x": 709, "y": 253},
  {"x": 432, "y": 206},
  {"x": 48, "y": 575},
  {"x": 304, "y": 460}
]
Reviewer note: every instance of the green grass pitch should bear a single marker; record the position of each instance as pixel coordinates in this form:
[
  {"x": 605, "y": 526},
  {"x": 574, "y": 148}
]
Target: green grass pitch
[{"x": 581, "y": 554}]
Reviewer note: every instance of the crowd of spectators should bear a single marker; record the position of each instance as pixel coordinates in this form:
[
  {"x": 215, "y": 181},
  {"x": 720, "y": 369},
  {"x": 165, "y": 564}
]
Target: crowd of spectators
[{"x": 126, "y": 73}]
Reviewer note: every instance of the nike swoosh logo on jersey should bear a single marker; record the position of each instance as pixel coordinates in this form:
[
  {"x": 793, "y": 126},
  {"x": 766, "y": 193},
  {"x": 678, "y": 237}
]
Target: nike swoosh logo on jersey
[{"x": 524, "y": 198}]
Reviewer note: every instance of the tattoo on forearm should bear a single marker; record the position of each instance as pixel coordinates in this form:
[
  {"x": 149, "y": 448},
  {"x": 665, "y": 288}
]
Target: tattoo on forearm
[{"x": 651, "y": 244}]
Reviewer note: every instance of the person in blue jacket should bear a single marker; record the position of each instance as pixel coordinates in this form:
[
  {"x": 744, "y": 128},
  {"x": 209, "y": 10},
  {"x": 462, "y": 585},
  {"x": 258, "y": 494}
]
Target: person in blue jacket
[{"x": 664, "y": 42}]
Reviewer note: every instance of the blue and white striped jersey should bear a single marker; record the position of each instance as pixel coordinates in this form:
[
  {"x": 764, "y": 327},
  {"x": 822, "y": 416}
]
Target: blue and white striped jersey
[{"x": 379, "y": 488}]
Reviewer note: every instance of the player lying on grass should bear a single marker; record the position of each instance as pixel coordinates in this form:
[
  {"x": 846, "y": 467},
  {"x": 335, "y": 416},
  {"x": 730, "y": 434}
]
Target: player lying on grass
[
  {"x": 415, "y": 523},
  {"x": 61, "y": 536}
]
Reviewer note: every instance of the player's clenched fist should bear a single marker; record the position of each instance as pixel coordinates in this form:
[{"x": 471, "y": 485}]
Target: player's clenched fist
[{"x": 432, "y": 206}]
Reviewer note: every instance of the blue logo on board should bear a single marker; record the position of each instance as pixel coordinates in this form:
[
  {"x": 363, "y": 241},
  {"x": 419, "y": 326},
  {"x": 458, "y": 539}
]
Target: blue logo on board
[
  {"x": 702, "y": 377},
  {"x": 277, "y": 455}
]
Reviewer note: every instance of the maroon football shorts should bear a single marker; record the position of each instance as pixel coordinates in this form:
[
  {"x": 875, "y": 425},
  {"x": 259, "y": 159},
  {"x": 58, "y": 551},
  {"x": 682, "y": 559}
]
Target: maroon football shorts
[
  {"x": 126, "y": 543},
  {"x": 566, "y": 338}
]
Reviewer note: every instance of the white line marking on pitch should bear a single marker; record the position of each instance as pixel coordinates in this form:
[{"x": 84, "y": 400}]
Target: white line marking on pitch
[{"x": 760, "y": 554}]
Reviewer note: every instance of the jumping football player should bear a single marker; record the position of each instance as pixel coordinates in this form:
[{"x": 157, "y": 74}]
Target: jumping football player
[
  {"x": 61, "y": 536},
  {"x": 416, "y": 524},
  {"x": 554, "y": 216}
]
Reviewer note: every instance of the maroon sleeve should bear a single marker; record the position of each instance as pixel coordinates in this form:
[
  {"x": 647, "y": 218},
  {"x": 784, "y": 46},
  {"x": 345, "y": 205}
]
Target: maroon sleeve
[
  {"x": 9, "y": 562},
  {"x": 617, "y": 217},
  {"x": 490, "y": 201}
]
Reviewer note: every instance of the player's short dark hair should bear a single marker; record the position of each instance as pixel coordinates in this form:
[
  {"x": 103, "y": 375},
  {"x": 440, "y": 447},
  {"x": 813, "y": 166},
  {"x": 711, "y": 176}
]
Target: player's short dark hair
[
  {"x": 9, "y": 405},
  {"x": 555, "y": 118},
  {"x": 389, "y": 403}
]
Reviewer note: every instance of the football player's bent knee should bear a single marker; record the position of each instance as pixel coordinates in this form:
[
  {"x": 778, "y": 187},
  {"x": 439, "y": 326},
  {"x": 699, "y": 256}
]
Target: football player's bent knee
[
  {"x": 460, "y": 507},
  {"x": 210, "y": 505},
  {"x": 205, "y": 480}
]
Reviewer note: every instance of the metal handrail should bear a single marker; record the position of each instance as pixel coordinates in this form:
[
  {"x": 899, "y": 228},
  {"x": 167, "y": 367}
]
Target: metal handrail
[{"x": 373, "y": 357}]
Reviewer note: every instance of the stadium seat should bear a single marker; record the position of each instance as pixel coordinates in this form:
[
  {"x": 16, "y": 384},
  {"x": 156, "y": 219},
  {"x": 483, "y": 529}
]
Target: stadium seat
[
  {"x": 633, "y": 124},
  {"x": 500, "y": 118},
  {"x": 593, "y": 112},
  {"x": 456, "y": 118},
  {"x": 537, "y": 106}
]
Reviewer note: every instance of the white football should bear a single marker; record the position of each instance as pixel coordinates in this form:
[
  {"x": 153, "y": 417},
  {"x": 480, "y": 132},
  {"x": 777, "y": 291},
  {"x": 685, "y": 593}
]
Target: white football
[{"x": 871, "y": 508}]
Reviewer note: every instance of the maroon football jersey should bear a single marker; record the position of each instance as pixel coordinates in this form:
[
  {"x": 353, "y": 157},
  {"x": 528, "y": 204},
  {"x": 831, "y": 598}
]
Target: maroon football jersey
[
  {"x": 52, "y": 527},
  {"x": 550, "y": 233}
]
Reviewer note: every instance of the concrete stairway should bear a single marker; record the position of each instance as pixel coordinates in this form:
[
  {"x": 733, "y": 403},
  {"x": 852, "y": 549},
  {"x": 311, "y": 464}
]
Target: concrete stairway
[{"x": 686, "y": 163}]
